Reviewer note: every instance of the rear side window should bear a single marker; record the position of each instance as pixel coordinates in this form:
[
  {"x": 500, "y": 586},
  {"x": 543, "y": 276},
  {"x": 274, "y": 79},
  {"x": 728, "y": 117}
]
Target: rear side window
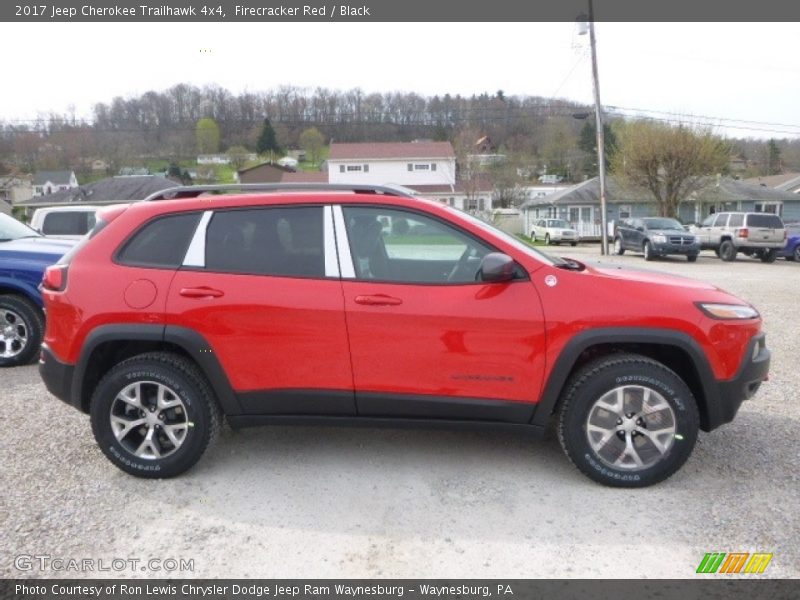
[
  {"x": 736, "y": 221},
  {"x": 68, "y": 223},
  {"x": 160, "y": 243},
  {"x": 722, "y": 219},
  {"x": 280, "y": 241},
  {"x": 765, "y": 220}
]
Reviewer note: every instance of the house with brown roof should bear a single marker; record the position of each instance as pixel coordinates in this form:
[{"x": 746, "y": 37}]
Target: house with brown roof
[{"x": 263, "y": 173}]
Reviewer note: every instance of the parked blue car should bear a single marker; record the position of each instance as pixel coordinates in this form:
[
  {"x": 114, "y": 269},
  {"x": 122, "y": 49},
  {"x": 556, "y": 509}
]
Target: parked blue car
[
  {"x": 792, "y": 249},
  {"x": 24, "y": 255}
]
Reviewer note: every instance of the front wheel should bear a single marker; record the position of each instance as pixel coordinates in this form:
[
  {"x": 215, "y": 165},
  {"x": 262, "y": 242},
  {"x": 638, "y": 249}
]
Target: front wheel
[
  {"x": 618, "y": 249},
  {"x": 547, "y": 238},
  {"x": 691, "y": 257},
  {"x": 796, "y": 254},
  {"x": 533, "y": 235},
  {"x": 154, "y": 415},
  {"x": 21, "y": 330},
  {"x": 647, "y": 249},
  {"x": 573, "y": 244},
  {"x": 627, "y": 421}
]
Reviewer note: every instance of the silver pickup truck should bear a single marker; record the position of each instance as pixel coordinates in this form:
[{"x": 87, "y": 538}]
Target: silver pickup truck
[{"x": 753, "y": 234}]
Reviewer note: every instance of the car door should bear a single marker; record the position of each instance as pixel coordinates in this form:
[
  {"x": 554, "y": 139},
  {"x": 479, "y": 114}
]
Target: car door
[
  {"x": 426, "y": 338},
  {"x": 262, "y": 287}
]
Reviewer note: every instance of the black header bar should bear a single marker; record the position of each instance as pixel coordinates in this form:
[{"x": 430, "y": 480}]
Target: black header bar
[{"x": 265, "y": 11}]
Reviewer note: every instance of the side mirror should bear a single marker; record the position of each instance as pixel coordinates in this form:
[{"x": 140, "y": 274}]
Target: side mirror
[{"x": 496, "y": 267}]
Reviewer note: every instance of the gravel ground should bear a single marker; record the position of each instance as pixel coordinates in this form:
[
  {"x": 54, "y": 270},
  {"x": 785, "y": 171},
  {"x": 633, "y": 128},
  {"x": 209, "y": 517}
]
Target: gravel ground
[{"x": 340, "y": 502}]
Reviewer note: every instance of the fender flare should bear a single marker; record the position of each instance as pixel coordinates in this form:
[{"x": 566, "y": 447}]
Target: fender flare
[
  {"x": 191, "y": 342},
  {"x": 709, "y": 405}
]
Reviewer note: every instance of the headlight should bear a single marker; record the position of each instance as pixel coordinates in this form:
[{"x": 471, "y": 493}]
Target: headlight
[
  {"x": 728, "y": 311},
  {"x": 659, "y": 238}
]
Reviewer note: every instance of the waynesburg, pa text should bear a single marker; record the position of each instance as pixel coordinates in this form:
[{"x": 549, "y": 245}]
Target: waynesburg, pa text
[{"x": 259, "y": 591}]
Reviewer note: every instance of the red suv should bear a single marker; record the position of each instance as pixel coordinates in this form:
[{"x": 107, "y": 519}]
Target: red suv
[{"x": 367, "y": 304}]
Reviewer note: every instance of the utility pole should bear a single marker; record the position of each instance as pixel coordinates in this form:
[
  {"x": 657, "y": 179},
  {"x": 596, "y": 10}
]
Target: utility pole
[{"x": 601, "y": 161}]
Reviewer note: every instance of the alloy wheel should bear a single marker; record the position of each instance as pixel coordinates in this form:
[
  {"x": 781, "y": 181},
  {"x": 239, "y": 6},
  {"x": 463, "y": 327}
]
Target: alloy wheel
[
  {"x": 149, "y": 420},
  {"x": 631, "y": 427},
  {"x": 13, "y": 333}
]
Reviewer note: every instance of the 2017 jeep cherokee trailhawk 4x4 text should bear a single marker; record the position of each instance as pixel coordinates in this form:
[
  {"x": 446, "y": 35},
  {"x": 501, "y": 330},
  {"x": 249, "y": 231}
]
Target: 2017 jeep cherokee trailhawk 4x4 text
[{"x": 366, "y": 304}]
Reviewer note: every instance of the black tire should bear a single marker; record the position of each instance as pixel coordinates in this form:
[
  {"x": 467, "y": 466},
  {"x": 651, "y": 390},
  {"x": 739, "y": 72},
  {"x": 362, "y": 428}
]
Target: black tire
[
  {"x": 618, "y": 249},
  {"x": 727, "y": 251},
  {"x": 691, "y": 257},
  {"x": 197, "y": 413},
  {"x": 795, "y": 255},
  {"x": 21, "y": 330},
  {"x": 573, "y": 244},
  {"x": 547, "y": 238},
  {"x": 647, "y": 249},
  {"x": 768, "y": 255},
  {"x": 648, "y": 378},
  {"x": 533, "y": 235}
]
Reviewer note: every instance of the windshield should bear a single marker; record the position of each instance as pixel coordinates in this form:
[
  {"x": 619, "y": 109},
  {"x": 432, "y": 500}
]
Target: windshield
[
  {"x": 510, "y": 239},
  {"x": 662, "y": 224},
  {"x": 560, "y": 223},
  {"x": 11, "y": 229}
]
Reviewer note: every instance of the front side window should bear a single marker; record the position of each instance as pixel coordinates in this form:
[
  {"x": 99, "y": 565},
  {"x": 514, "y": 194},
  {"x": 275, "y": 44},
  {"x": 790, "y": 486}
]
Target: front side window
[
  {"x": 736, "y": 221},
  {"x": 407, "y": 247},
  {"x": 280, "y": 241}
]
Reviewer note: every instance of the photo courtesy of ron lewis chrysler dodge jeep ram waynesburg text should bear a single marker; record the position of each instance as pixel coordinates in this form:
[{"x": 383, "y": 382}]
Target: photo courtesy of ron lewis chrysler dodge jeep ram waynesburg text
[{"x": 369, "y": 305}]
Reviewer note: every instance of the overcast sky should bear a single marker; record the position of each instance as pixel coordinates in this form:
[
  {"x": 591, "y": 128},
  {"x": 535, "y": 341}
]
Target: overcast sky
[{"x": 727, "y": 72}]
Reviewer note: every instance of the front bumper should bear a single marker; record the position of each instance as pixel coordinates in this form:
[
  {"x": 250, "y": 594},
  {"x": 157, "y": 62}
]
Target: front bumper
[
  {"x": 665, "y": 248},
  {"x": 57, "y": 376},
  {"x": 731, "y": 393}
]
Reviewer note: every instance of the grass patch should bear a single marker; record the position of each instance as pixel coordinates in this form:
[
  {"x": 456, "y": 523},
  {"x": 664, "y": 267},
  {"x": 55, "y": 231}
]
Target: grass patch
[{"x": 530, "y": 241}]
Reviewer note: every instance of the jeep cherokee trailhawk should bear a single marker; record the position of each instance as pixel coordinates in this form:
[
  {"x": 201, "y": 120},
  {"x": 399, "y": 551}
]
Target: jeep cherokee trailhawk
[{"x": 332, "y": 304}]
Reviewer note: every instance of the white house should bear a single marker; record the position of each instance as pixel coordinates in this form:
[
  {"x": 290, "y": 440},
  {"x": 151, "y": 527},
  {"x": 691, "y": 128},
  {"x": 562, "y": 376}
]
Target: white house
[
  {"x": 408, "y": 164},
  {"x": 48, "y": 182},
  {"x": 429, "y": 168}
]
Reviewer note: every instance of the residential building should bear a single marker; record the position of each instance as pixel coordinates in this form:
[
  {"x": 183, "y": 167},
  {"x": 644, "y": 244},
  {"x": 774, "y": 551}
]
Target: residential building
[
  {"x": 49, "y": 182},
  {"x": 580, "y": 204},
  {"x": 263, "y": 173},
  {"x": 15, "y": 189},
  {"x": 787, "y": 182},
  {"x": 111, "y": 190}
]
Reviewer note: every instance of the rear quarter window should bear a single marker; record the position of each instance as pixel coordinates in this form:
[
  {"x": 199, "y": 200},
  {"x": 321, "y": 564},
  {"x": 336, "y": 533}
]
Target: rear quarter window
[
  {"x": 765, "y": 220},
  {"x": 160, "y": 243},
  {"x": 67, "y": 223}
]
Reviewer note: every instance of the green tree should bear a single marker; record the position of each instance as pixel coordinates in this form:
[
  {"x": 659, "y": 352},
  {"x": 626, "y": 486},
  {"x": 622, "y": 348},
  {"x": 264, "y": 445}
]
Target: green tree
[
  {"x": 207, "y": 136},
  {"x": 238, "y": 156},
  {"x": 670, "y": 162},
  {"x": 773, "y": 158},
  {"x": 266, "y": 139},
  {"x": 588, "y": 143},
  {"x": 312, "y": 141}
]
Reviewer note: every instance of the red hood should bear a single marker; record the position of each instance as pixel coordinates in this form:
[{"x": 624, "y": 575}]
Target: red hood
[{"x": 653, "y": 277}]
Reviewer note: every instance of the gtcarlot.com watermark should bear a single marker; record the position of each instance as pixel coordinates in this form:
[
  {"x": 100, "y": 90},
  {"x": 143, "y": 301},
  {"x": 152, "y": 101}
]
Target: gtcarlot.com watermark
[{"x": 46, "y": 562}]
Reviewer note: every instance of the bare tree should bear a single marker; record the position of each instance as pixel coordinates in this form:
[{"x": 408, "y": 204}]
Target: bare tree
[{"x": 670, "y": 162}]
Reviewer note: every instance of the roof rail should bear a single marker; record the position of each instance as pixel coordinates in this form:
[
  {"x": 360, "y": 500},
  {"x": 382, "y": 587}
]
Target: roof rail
[{"x": 193, "y": 191}]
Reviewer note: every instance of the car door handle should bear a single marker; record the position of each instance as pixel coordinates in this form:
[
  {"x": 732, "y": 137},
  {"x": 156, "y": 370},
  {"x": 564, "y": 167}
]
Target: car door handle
[
  {"x": 378, "y": 300},
  {"x": 201, "y": 292}
]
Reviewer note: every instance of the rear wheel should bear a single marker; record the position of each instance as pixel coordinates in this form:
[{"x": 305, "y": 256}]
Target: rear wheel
[
  {"x": 154, "y": 415},
  {"x": 796, "y": 254},
  {"x": 618, "y": 249},
  {"x": 768, "y": 255},
  {"x": 533, "y": 235},
  {"x": 691, "y": 257},
  {"x": 627, "y": 421},
  {"x": 21, "y": 330},
  {"x": 573, "y": 244},
  {"x": 727, "y": 251},
  {"x": 547, "y": 238}
]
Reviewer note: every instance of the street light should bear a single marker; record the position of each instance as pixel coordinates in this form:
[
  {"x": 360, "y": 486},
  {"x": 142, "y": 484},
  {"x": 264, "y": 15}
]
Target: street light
[{"x": 598, "y": 112}]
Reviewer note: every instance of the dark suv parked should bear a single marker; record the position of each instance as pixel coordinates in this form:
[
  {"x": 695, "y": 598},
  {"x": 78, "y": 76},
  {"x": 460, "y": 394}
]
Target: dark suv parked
[
  {"x": 655, "y": 236},
  {"x": 372, "y": 306}
]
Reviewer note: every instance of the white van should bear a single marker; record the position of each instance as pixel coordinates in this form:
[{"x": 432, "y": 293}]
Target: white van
[{"x": 64, "y": 222}]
